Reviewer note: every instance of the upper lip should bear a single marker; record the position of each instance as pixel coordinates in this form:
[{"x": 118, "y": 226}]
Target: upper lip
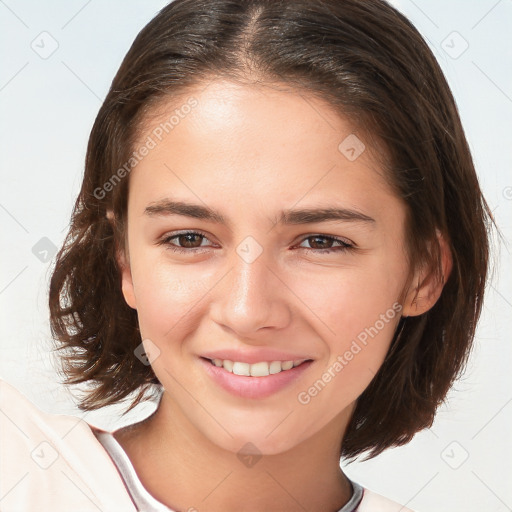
[{"x": 254, "y": 355}]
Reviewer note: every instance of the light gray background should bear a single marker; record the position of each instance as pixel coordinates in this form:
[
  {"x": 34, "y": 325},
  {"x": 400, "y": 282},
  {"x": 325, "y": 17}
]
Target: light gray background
[{"x": 47, "y": 107}]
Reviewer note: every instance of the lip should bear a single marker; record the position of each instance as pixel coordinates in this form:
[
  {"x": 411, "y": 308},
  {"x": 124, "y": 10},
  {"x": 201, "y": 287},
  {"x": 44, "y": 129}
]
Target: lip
[
  {"x": 253, "y": 387},
  {"x": 254, "y": 355}
]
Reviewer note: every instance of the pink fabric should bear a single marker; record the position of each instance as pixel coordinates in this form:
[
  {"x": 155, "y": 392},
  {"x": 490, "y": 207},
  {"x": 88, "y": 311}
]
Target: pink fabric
[{"x": 53, "y": 462}]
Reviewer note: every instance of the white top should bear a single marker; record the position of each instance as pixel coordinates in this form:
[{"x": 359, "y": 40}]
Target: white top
[{"x": 60, "y": 463}]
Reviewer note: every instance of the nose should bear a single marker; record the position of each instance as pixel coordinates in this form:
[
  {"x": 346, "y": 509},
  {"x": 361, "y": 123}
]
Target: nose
[{"x": 251, "y": 296}]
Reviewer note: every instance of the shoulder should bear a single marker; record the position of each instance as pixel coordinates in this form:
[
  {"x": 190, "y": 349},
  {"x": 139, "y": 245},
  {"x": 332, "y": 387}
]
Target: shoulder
[
  {"x": 373, "y": 502},
  {"x": 51, "y": 460}
]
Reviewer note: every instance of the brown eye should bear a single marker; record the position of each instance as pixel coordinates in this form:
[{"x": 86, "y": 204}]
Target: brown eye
[
  {"x": 324, "y": 244},
  {"x": 321, "y": 242},
  {"x": 189, "y": 240}
]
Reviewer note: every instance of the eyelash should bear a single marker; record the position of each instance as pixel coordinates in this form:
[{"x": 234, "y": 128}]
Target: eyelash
[{"x": 166, "y": 240}]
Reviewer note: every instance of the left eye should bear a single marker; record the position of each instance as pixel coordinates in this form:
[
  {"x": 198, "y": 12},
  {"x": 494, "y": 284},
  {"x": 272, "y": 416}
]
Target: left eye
[
  {"x": 343, "y": 245},
  {"x": 188, "y": 242}
]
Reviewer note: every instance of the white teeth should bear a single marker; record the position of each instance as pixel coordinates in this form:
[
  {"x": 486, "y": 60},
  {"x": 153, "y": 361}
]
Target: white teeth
[
  {"x": 260, "y": 369},
  {"x": 275, "y": 366},
  {"x": 241, "y": 368},
  {"x": 228, "y": 365},
  {"x": 287, "y": 365}
]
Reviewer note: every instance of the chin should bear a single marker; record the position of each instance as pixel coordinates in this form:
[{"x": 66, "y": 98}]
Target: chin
[{"x": 257, "y": 443}]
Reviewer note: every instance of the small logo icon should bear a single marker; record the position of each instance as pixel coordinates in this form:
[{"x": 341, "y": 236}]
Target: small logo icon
[
  {"x": 249, "y": 455},
  {"x": 146, "y": 352},
  {"x": 454, "y": 45},
  {"x": 45, "y": 45},
  {"x": 44, "y": 250},
  {"x": 249, "y": 249},
  {"x": 44, "y": 455},
  {"x": 454, "y": 455},
  {"x": 507, "y": 193},
  {"x": 351, "y": 147}
]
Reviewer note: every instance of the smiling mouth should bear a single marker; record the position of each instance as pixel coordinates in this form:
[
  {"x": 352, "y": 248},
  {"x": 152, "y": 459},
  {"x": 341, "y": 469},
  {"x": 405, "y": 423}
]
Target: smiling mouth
[{"x": 259, "y": 369}]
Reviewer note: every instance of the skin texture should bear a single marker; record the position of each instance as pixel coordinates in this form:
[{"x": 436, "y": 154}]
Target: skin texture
[{"x": 250, "y": 152}]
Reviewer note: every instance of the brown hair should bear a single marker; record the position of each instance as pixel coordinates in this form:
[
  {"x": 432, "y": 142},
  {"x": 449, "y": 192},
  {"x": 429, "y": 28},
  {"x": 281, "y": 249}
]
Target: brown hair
[{"x": 367, "y": 61}]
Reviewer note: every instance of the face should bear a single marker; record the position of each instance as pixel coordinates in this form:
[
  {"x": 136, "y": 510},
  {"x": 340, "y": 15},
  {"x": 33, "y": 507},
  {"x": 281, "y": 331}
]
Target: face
[{"x": 291, "y": 248}]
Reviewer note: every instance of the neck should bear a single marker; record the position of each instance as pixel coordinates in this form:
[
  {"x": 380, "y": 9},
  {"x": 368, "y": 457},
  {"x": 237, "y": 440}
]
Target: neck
[{"x": 186, "y": 471}]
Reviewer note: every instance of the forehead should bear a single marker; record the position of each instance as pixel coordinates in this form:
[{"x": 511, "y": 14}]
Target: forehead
[{"x": 260, "y": 141}]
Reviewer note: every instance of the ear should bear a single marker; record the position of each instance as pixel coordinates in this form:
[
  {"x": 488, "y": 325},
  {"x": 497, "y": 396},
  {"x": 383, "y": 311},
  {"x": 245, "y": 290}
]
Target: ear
[
  {"x": 123, "y": 261},
  {"x": 427, "y": 285},
  {"x": 126, "y": 279}
]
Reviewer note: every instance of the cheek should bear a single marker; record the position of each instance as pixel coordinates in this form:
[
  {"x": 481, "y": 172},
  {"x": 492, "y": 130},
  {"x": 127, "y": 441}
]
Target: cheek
[
  {"x": 166, "y": 297},
  {"x": 344, "y": 301},
  {"x": 356, "y": 312}
]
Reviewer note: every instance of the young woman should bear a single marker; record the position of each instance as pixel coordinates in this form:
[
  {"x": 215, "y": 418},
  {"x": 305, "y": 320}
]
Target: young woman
[{"x": 280, "y": 228}]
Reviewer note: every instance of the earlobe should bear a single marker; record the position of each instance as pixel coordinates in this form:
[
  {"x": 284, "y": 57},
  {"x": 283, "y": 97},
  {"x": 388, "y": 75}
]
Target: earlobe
[{"x": 429, "y": 284}]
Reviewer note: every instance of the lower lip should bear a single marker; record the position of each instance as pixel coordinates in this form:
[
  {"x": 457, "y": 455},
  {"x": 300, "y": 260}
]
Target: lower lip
[{"x": 253, "y": 387}]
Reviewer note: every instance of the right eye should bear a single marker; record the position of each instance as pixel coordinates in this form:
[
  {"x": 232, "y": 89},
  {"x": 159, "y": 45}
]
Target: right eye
[{"x": 188, "y": 239}]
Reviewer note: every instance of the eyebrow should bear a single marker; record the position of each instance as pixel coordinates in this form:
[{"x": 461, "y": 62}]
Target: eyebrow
[{"x": 166, "y": 207}]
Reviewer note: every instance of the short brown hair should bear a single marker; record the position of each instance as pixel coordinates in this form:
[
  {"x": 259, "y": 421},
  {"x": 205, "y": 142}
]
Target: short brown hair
[{"x": 370, "y": 64}]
